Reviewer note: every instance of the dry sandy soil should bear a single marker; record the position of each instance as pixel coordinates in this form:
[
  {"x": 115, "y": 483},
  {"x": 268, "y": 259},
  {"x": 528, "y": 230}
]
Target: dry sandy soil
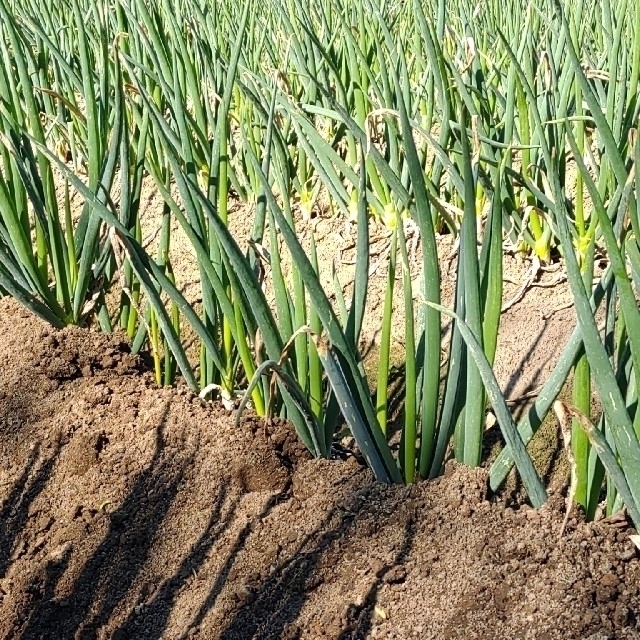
[{"x": 129, "y": 511}]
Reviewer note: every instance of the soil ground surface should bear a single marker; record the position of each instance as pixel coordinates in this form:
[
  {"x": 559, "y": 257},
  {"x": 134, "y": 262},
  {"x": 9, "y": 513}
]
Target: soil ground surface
[{"x": 132, "y": 512}]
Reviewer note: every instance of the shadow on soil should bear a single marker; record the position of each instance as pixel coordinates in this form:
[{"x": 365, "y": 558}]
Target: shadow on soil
[
  {"x": 17, "y": 411},
  {"x": 276, "y": 603},
  {"x": 14, "y": 512},
  {"x": 535, "y": 376},
  {"x": 109, "y": 574},
  {"x": 152, "y": 621},
  {"x": 108, "y": 579},
  {"x": 223, "y": 575},
  {"x": 360, "y": 618}
]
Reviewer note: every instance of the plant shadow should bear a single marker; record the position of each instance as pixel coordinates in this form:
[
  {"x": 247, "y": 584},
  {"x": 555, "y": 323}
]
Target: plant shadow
[
  {"x": 14, "y": 512},
  {"x": 110, "y": 572},
  {"x": 276, "y": 603}
]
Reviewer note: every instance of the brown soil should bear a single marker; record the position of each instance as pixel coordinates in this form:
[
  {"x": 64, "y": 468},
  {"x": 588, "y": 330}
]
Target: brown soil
[{"x": 129, "y": 511}]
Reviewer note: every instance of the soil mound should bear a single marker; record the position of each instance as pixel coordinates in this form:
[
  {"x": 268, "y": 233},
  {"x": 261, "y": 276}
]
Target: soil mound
[{"x": 128, "y": 511}]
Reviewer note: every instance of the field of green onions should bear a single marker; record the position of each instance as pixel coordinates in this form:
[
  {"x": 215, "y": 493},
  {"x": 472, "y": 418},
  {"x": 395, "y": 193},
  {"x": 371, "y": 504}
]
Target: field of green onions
[{"x": 507, "y": 130}]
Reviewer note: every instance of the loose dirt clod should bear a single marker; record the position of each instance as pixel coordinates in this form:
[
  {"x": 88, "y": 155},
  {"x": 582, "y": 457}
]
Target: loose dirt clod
[{"x": 128, "y": 511}]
